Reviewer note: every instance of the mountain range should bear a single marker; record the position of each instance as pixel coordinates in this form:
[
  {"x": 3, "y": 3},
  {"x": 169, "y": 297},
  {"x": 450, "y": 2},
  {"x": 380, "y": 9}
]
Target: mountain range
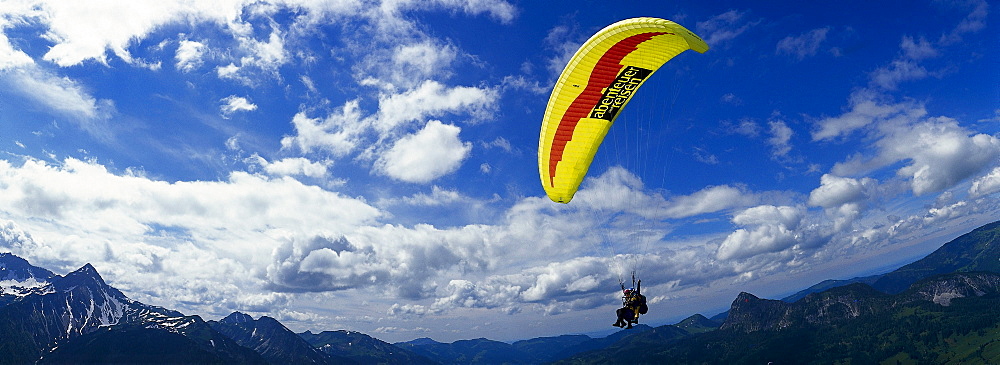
[{"x": 940, "y": 309}]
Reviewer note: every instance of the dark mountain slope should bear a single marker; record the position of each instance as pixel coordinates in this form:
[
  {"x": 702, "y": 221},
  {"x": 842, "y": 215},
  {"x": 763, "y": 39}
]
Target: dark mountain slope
[
  {"x": 830, "y": 284},
  {"x": 69, "y": 307},
  {"x": 477, "y": 351},
  {"x": 18, "y": 269},
  {"x": 852, "y": 324},
  {"x": 139, "y": 345},
  {"x": 978, "y": 250},
  {"x": 269, "y": 338}
]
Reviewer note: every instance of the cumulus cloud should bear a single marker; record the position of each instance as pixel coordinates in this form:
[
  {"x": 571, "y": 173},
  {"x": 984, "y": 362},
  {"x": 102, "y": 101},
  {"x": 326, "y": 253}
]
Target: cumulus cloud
[
  {"x": 804, "y": 45},
  {"x": 771, "y": 230},
  {"x": 403, "y": 261},
  {"x": 433, "y": 99},
  {"x": 781, "y": 135},
  {"x": 434, "y": 151},
  {"x": 189, "y": 55},
  {"x": 340, "y": 132},
  {"x": 293, "y": 166},
  {"x": 620, "y": 190},
  {"x": 843, "y": 198},
  {"x": 84, "y": 31},
  {"x": 938, "y": 153},
  {"x": 405, "y": 66},
  {"x": 941, "y": 153},
  {"x": 12, "y": 58},
  {"x": 202, "y": 241},
  {"x": 985, "y": 185},
  {"x": 324, "y": 264},
  {"x": 232, "y": 104},
  {"x": 835, "y": 191},
  {"x": 438, "y": 196}
]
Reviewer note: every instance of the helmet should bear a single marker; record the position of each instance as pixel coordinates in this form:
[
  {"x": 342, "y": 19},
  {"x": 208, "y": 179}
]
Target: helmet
[{"x": 628, "y": 291}]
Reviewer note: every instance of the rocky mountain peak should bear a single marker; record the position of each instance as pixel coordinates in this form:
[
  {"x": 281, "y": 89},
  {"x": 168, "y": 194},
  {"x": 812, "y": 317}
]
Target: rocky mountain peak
[
  {"x": 84, "y": 276},
  {"x": 237, "y": 318},
  {"x": 15, "y": 268}
]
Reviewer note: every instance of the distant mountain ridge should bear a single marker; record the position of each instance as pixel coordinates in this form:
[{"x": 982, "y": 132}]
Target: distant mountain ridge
[
  {"x": 947, "y": 312},
  {"x": 79, "y": 318},
  {"x": 270, "y": 339},
  {"x": 973, "y": 251},
  {"x": 361, "y": 348},
  {"x": 977, "y": 250},
  {"x": 949, "y": 318}
]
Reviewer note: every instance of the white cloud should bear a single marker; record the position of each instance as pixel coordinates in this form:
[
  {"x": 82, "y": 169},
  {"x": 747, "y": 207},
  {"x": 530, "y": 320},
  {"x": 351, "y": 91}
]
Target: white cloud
[
  {"x": 766, "y": 238},
  {"x": 563, "y": 41},
  {"x": 229, "y": 71},
  {"x": 406, "y": 66},
  {"x": 189, "y": 55},
  {"x": 339, "y": 133},
  {"x": 778, "y": 230},
  {"x": 11, "y": 58},
  {"x": 293, "y": 166},
  {"x": 618, "y": 190},
  {"x": 232, "y": 104},
  {"x": 64, "y": 96},
  {"x": 434, "y": 151},
  {"x": 988, "y": 184},
  {"x": 786, "y": 216},
  {"x": 202, "y": 241},
  {"x": 843, "y": 198},
  {"x": 937, "y": 152},
  {"x": 899, "y": 70},
  {"x": 746, "y": 127},
  {"x": 130, "y": 204},
  {"x": 917, "y": 49},
  {"x": 426, "y": 58},
  {"x": 972, "y": 23},
  {"x": 707, "y": 200},
  {"x": 87, "y": 30},
  {"x": 433, "y": 99},
  {"x": 309, "y": 84},
  {"x": 498, "y": 9},
  {"x": 723, "y": 27},
  {"x": 941, "y": 153},
  {"x": 438, "y": 196},
  {"x": 866, "y": 108},
  {"x": 501, "y": 143},
  {"x": 264, "y": 56},
  {"x": 804, "y": 45},
  {"x": 781, "y": 134},
  {"x": 835, "y": 191}
]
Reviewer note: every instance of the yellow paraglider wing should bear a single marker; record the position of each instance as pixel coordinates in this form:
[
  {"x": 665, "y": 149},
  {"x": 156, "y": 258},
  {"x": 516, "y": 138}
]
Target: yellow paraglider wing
[{"x": 596, "y": 84}]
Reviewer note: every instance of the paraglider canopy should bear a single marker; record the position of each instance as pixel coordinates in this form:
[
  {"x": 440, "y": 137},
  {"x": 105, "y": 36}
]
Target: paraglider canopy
[{"x": 595, "y": 86}]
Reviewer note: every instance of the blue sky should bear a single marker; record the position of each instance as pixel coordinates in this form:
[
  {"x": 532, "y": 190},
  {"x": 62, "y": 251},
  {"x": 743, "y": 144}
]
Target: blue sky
[{"x": 371, "y": 165}]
